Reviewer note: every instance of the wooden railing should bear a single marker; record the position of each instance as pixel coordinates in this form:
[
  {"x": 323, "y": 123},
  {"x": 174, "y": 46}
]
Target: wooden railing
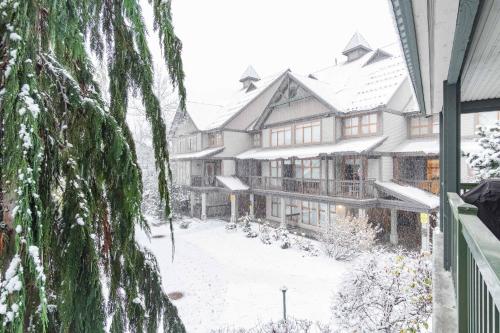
[
  {"x": 475, "y": 267},
  {"x": 357, "y": 189},
  {"x": 204, "y": 181},
  {"x": 431, "y": 186}
]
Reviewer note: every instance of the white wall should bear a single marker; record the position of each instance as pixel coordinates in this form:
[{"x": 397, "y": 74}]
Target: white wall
[
  {"x": 386, "y": 163},
  {"x": 235, "y": 143},
  {"x": 296, "y": 110},
  {"x": 394, "y": 127},
  {"x": 228, "y": 167},
  {"x": 374, "y": 168},
  {"x": 328, "y": 130},
  {"x": 265, "y": 138}
]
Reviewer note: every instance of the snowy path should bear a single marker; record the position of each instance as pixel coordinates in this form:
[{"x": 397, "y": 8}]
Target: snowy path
[{"x": 230, "y": 280}]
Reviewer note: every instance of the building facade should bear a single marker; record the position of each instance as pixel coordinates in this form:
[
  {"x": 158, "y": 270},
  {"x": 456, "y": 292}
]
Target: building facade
[{"x": 302, "y": 151}]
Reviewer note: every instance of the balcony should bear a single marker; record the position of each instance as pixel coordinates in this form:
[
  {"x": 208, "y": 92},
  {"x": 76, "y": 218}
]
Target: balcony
[
  {"x": 431, "y": 186},
  {"x": 204, "y": 181},
  {"x": 354, "y": 189},
  {"x": 475, "y": 269}
]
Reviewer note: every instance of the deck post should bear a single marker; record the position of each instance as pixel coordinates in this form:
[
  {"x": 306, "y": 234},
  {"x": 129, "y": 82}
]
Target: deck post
[
  {"x": 283, "y": 213},
  {"x": 203, "y": 205},
  {"x": 192, "y": 202},
  {"x": 394, "y": 227},
  {"x": 252, "y": 206},
  {"x": 450, "y": 160},
  {"x": 233, "y": 207}
]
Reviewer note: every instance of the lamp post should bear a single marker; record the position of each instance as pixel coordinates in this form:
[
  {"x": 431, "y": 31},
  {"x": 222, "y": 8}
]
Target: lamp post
[{"x": 283, "y": 290}]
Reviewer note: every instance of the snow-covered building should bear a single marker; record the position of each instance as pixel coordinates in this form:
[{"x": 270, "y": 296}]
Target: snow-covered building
[{"x": 302, "y": 149}]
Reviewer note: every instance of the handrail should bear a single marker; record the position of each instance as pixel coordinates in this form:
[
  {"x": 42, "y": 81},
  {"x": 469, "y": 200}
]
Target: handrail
[{"x": 475, "y": 268}]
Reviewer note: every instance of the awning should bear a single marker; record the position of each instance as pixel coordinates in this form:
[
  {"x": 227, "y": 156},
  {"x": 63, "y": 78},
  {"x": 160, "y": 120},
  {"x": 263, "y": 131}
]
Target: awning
[
  {"x": 431, "y": 147},
  {"x": 232, "y": 183},
  {"x": 410, "y": 194},
  {"x": 353, "y": 146},
  {"x": 197, "y": 155}
]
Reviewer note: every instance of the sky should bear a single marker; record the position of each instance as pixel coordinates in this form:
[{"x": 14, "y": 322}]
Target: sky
[{"x": 222, "y": 37}]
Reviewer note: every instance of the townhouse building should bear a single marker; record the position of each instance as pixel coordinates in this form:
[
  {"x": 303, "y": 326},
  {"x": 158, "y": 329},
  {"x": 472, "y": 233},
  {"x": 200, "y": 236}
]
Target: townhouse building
[{"x": 303, "y": 150}]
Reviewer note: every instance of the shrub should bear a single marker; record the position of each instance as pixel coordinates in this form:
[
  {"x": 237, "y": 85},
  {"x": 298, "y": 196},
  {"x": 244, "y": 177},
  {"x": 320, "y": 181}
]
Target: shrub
[
  {"x": 346, "y": 238},
  {"x": 390, "y": 293}
]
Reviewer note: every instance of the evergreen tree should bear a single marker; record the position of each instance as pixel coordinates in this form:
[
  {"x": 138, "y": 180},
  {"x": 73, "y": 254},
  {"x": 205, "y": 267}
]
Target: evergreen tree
[
  {"x": 486, "y": 162},
  {"x": 71, "y": 187}
]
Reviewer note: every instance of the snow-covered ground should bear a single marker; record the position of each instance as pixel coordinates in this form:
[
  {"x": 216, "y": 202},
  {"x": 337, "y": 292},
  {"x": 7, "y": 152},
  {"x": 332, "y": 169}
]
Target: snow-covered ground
[{"x": 229, "y": 280}]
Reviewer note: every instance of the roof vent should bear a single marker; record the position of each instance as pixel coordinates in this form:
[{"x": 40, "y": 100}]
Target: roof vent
[
  {"x": 356, "y": 48},
  {"x": 249, "y": 76}
]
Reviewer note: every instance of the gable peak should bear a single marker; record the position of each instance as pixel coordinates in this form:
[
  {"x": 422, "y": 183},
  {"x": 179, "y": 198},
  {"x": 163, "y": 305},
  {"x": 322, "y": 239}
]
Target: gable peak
[
  {"x": 249, "y": 75},
  {"x": 356, "y": 47}
]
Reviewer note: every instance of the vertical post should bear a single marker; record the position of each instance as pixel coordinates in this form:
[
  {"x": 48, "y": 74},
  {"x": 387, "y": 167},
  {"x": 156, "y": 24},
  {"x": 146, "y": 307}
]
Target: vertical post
[
  {"x": 361, "y": 177},
  {"x": 233, "y": 207},
  {"x": 192, "y": 201},
  {"x": 204, "y": 206},
  {"x": 283, "y": 290},
  {"x": 252, "y": 206},
  {"x": 394, "y": 227},
  {"x": 283, "y": 213},
  {"x": 441, "y": 171},
  {"x": 424, "y": 232},
  {"x": 450, "y": 161}
]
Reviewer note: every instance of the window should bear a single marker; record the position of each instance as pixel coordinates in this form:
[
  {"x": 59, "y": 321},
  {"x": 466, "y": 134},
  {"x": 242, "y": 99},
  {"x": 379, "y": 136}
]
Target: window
[
  {"x": 309, "y": 169},
  {"x": 275, "y": 173},
  {"x": 369, "y": 124},
  {"x": 275, "y": 206},
  {"x": 323, "y": 211},
  {"x": 422, "y": 126},
  {"x": 488, "y": 118},
  {"x": 309, "y": 213},
  {"x": 186, "y": 144},
  {"x": 215, "y": 139},
  {"x": 333, "y": 213},
  {"x": 361, "y": 125},
  {"x": 256, "y": 140},
  {"x": 281, "y": 136},
  {"x": 308, "y": 133}
]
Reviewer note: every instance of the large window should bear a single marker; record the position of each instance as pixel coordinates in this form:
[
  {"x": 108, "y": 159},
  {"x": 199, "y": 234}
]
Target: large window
[
  {"x": 361, "y": 125},
  {"x": 275, "y": 207},
  {"x": 423, "y": 126},
  {"x": 309, "y": 169},
  {"x": 310, "y": 213},
  {"x": 186, "y": 144},
  {"x": 308, "y": 133},
  {"x": 215, "y": 139},
  {"x": 281, "y": 136}
]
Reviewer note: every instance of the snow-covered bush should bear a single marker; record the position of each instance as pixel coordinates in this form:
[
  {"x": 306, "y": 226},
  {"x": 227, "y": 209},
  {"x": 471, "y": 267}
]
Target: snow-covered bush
[
  {"x": 486, "y": 163},
  {"x": 291, "y": 325},
  {"x": 391, "y": 292},
  {"x": 184, "y": 224},
  {"x": 231, "y": 226},
  {"x": 305, "y": 244},
  {"x": 265, "y": 233},
  {"x": 281, "y": 235},
  {"x": 347, "y": 237}
]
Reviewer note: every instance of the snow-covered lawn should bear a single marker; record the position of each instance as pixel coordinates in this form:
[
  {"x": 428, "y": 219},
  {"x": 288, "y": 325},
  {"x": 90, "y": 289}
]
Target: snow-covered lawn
[{"x": 229, "y": 280}]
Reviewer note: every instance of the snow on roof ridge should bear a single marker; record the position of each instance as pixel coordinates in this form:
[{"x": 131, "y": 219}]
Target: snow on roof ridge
[{"x": 204, "y": 103}]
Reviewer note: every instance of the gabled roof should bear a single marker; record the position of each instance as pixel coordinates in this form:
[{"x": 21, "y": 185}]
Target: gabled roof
[
  {"x": 250, "y": 73},
  {"x": 208, "y": 117},
  {"x": 357, "y": 41}
]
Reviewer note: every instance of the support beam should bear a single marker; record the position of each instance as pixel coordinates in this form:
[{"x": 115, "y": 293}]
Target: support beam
[
  {"x": 485, "y": 105},
  {"x": 203, "y": 206},
  {"x": 234, "y": 212},
  {"x": 450, "y": 160},
  {"x": 283, "y": 213},
  {"x": 394, "y": 238},
  {"x": 252, "y": 206}
]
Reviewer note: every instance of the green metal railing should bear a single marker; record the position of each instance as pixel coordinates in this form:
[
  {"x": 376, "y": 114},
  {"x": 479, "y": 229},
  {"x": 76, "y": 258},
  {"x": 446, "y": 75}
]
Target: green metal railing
[{"x": 475, "y": 267}]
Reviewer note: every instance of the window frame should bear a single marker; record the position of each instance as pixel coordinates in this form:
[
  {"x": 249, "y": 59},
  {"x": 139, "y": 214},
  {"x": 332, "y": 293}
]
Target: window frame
[
  {"x": 276, "y": 204},
  {"x": 277, "y": 131},
  {"x": 256, "y": 140},
  {"x": 215, "y": 139},
  {"x": 302, "y": 127},
  {"x": 354, "y": 126}
]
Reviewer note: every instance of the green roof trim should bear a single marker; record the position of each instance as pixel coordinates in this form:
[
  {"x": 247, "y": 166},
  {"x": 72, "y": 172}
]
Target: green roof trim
[{"x": 403, "y": 14}]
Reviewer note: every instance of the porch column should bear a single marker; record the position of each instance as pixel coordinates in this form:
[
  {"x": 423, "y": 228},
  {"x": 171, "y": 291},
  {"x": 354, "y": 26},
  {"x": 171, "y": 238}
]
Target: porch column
[
  {"x": 283, "y": 213},
  {"x": 362, "y": 177},
  {"x": 234, "y": 212},
  {"x": 425, "y": 232},
  {"x": 252, "y": 205},
  {"x": 394, "y": 227},
  {"x": 192, "y": 202},
  {"x": 362, "y": 213},
  {"x": 203, "y": 206},
  {"x": 450, "y": 160}
]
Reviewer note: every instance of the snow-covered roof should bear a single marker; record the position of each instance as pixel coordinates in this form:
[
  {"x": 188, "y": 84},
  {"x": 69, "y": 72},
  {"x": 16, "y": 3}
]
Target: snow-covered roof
[
  {"x": 363, "y": 84},
  {"x": 410, "y": 193},
  {"x": 209, "y": 116},
  {"x": 250, "y": 73},
  {"x": 352, "y": 146},
  {"x": 232, "y": 183},
  {"x": 430, "y": 146},
  {"x": 356, "y": 41},
  {"x": 199, "y": 154}
]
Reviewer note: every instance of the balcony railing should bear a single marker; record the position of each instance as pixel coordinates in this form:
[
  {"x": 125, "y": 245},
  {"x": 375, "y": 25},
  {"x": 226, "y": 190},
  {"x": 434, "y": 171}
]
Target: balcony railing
[
  {"x": 356, "y": 189},
  {"x": 431, "y": 186},
  {"x": 475, "y": 267},
  {"x": 204, "y": 181}
]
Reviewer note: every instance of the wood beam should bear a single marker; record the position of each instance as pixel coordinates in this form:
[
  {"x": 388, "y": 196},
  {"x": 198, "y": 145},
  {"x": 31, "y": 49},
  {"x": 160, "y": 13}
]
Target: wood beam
[{"x": 485, "y": 105}]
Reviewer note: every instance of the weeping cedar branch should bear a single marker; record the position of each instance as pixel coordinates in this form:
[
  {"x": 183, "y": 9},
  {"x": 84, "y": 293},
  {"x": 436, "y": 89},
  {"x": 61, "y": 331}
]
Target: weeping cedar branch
[{"x": 70, "y": 183}]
